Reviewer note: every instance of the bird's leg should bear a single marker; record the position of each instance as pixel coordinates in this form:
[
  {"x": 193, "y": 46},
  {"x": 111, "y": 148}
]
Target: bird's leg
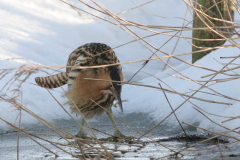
[
  {"x": 117, "y": 132},
  {"x": 81, "y": 133}
]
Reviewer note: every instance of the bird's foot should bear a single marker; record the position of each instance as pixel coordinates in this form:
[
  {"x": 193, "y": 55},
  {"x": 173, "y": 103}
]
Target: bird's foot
[
  {"x": 119, "y": 137},
  {"x": 118, "y": 134},
  {"x": 82, "y": 135}
]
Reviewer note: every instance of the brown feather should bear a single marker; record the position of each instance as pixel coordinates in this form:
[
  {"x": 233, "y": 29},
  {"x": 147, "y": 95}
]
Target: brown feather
[
  {"x": 53, "y": 81},
  {"x": 87, "y": 95}
]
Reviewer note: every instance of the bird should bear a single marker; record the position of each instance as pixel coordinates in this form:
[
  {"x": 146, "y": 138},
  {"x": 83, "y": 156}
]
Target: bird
[{"x": 89, "y": 96}]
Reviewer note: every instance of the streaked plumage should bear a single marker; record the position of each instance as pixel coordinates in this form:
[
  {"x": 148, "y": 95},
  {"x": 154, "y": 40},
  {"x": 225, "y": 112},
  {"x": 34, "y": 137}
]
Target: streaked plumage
[
  {"x": 88, "y": 94},
  {"x": 53, "y": 81}
]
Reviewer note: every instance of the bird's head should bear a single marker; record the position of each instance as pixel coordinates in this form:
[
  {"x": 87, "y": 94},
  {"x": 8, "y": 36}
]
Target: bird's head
[{"x": 116, "y": 88}]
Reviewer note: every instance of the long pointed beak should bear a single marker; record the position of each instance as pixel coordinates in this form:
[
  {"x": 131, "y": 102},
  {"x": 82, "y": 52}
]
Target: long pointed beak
[{"x": 117, "y": 93}]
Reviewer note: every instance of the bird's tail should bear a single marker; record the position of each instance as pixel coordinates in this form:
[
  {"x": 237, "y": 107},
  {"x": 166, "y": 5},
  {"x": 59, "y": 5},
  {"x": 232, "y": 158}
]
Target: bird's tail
[{"x": 53, "y": 81}]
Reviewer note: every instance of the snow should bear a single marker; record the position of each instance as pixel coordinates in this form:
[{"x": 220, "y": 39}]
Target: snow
[{"x": 44, "y": 32}]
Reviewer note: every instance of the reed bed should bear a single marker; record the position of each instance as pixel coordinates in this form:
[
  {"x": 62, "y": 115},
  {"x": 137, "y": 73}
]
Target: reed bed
[{"x": 96, "y": 148}]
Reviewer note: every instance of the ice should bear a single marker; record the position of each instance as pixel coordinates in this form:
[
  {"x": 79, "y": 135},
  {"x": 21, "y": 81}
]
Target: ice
[{"x": 46, "y": 32}]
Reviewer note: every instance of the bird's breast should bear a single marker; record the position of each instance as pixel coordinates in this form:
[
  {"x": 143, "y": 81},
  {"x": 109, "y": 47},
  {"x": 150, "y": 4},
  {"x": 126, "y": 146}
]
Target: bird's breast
[{"x": 84, "y": 90}]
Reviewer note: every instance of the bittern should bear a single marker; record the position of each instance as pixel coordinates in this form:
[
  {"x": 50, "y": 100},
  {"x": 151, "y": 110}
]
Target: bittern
[{"x": 85, "y": 95}]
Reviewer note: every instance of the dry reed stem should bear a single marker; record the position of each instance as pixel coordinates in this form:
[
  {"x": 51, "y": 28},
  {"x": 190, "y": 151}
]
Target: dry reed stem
[
  {"x": 195, "y": 92},
  {"x": 175, "y": 46},
  {"x": 160, "y": 27},
  {"x": 209, "y": 148},
  {"x": 218, "y": 134},
  {"x": 69, "y": 113},
  {"x": 125, "y": 10},
  {"x": 227, "y": 149},
  {"x": 180, "y": 95},
  {"x": 140, "y": 6},
  {"x": 196, "y": 81},
  {"x": 36, "y": 117},
  {"x": 92, "y": 136},
  {"x": 209, "y": 86},
  {"x": 212, "y": 94},
  {"x": 229, "y": 57},
  {"x": 136, "y": 61},
  {"x": 163, "y": 89},
  {"x": 166, "y": 53},
  {"x": 230, "y": 69},
  {"x": 128, "y": 22},
  {"x": 144, "y": 64},
  {"x": 170, "y": 107},
  {"x": 213, "y": 121},
  {"x": 213, "y": 114},
  {"x": 217, "y": 144},
  {"x": 19, "y": 124},
  {"x": 22, "y": 131},
  {"x": 136, "y": 129},
  {"x": 134, "y": 34},
  {"x": 191, "y": 103},
  {"x": 231, "y": 118},
  {"x": 206, "y": 17},
  {"x": 227, "y": 68},
  {"x": 90, "y": 146},
  {"x": 156, "y": 55},
  {"x": 46, "y": 123}
]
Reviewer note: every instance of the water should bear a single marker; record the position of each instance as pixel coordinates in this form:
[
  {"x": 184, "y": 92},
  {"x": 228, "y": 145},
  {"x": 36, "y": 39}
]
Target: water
[{"x": 160, "y": 142}]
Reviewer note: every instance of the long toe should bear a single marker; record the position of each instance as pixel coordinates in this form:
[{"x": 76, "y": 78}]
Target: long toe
[
  {"x": 82, "y": 135},
  {"x": 119, "y": 137},
  {"x": 118, "y": 134}
]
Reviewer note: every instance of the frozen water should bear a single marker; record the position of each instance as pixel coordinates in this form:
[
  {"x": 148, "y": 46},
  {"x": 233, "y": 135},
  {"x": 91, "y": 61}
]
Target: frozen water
[{"x": 43, "y": 32}]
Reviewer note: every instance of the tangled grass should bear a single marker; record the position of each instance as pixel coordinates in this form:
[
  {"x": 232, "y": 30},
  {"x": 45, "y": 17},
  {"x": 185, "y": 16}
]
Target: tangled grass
[{"x": 100, "y": 148}]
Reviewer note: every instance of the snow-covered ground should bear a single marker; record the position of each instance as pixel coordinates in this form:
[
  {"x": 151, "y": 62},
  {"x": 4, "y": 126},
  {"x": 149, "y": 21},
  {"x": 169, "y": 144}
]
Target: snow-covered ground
[{"x": 45, "y": 32}]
